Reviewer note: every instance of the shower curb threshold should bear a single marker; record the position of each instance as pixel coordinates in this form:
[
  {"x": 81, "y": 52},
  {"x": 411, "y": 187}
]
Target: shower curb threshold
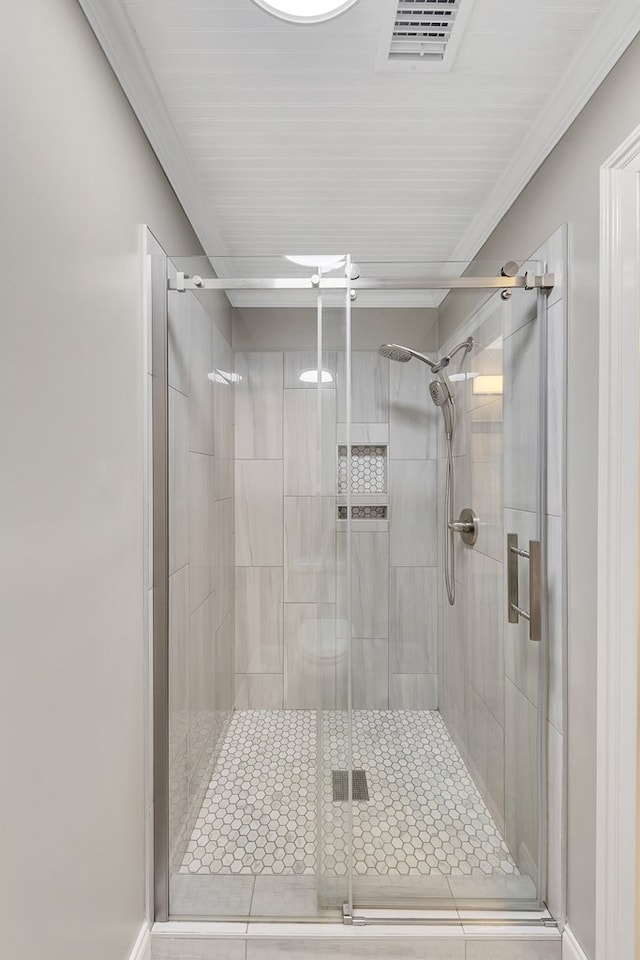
[{"x": 464, "y": 928}]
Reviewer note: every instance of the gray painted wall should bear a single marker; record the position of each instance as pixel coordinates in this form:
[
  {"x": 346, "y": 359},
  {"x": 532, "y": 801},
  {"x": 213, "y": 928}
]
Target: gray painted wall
[
  {"x": 78, "y": 177},
  {"x": 566, "y": 188}
]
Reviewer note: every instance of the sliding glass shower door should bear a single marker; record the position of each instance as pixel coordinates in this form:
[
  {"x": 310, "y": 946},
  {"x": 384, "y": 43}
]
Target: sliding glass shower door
[{"x": 341, "y": 738}]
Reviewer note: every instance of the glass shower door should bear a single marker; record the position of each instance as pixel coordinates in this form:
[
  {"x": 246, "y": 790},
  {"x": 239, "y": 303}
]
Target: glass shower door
[
  {"x": 334, "y": 719},
  {"x": 448, "y": 700}
]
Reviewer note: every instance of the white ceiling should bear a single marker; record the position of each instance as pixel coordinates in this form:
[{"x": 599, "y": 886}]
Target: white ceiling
[{"x": 286, "y": 138}]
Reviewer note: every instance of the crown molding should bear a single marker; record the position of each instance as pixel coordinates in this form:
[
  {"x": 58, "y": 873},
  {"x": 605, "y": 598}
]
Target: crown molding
[
  {"x": 112, "y": 27},
  {"x": 601, "y": 50}
]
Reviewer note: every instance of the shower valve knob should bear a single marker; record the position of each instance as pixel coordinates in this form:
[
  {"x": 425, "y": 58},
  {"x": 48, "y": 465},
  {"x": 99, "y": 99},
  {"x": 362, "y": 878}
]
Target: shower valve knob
[{"x": 467, "y": 525}]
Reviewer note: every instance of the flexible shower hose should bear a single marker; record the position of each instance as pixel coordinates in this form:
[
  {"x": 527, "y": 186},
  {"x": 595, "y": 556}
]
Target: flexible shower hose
[{"x": 449, "y": 546}]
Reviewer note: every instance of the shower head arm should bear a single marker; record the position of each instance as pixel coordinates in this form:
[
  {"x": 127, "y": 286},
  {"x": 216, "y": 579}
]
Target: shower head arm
[
  {"x": 448, "y": 357},
  {"x": 435, "y": 366}
]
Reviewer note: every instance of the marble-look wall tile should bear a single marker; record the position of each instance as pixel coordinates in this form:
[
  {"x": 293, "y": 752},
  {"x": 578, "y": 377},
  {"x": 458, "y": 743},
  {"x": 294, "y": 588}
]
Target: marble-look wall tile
[
  {"x": 309, "y": 549},
  {"x": 369, "y": 387},
  {"x": 413, "y": 620},
  {"x": 178, "y": 340},
  {"x": 485, "y": 632},
  {"x": 522, "y": 656},
  {"x": 224, "y": 558},
  {"x": 453, "y": 662},
  {"x": 555, "y": 838},
  {"x": 258, "y": 691},
  {"x": 223, "y": 481},
  {"x": 224, "y": 661},
  {"x": 201, "y": 423},
  {"x": 520, "y": 404},
  {"x": 301, "y": 656},
  {"x": 202, "y": 528},
  {"x": 556, "y": 426},
  {"x": 485, "y": 474},
  {"x": 414, "y": 691},
  {"x": 521, "y": 778},
  {"x": 455, "y": 720},
  {"x": 258, "y": 513},
  {"x": 259, "y": 616},
  {"x": 201, "y": 679},
  {"x": 258, "y": 406},
  {"x": 223, "y": 397},
  {"x": 296, "y": 363},
  {"x": 412, "y": 513},
  {"x": 486, "y": 755},
  {"x": 366, "y": 434},
  {"x": 309, "y": 464},
  {"x": 178, "y": 480},
  {"x": 413, "y": 419},
  {"x": 370, "y": 674},
  {"x": 178, "y": 658},
  {"x": 555, "y": 600},
  {"x": 369, "y": 583},
  {"x": 179, "y": 828}
]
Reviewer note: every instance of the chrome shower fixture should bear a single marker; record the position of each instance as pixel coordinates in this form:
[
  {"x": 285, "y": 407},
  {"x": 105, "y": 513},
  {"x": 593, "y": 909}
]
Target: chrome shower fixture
[
  {"x": 440, "y": 393},
  {"x": 401, "y": 354},
  {"x": 394, "y": 351}
]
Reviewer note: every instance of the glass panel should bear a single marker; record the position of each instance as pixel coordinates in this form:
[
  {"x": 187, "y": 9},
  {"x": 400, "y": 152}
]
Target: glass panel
[
  {"x": 208, "y": 795},
  {"x": 258, "y": 685},
  {"x": 311, "y": 642},
  {"x": 445, "y": 720},
  {"x": 334, "y": 721}
]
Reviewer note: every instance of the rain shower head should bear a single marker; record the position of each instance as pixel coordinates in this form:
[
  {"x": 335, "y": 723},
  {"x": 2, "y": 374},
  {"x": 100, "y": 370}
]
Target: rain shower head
[{"x": 394, "y": 351}]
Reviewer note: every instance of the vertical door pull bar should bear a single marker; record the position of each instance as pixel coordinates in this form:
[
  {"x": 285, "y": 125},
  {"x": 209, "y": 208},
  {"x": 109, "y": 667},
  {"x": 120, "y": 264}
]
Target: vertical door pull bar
[
  {"x": 515, "y": 611},
  {"x": 535, "y": 590},
  {"x": 512, "y": 577}
]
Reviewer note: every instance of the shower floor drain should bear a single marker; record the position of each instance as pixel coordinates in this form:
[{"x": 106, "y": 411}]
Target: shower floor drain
[{"x": 360, "y": 790}]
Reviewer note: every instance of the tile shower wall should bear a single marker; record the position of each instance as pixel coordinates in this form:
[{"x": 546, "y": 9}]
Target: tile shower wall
[
  {"x": 290, "y": 600},
  {"x": 201, "y": 555},
  {"x": 489, "y": 668}
]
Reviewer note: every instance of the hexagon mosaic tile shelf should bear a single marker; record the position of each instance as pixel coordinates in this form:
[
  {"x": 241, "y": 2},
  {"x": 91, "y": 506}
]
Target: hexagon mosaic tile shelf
[
  {"x": 368, "y": 469},
  {"x": 424, "y": 816}
]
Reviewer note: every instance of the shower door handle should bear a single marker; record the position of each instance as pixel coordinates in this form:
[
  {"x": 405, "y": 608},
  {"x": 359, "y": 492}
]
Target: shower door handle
[
  {"x": 535, "y": 590},
  {"x": 515, "y": 611}
]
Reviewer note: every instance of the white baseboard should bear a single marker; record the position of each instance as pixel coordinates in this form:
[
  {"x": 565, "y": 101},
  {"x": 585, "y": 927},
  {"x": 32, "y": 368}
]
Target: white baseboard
[
  {"x": 571, "y": 949},
  {"x": 142, "y": 946}
]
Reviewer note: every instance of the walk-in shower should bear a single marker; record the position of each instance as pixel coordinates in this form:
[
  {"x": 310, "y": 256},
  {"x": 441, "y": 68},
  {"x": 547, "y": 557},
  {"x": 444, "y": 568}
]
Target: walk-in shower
[
  {"x": 332, "y": 736},
  {"x": 442, "y": 396}
]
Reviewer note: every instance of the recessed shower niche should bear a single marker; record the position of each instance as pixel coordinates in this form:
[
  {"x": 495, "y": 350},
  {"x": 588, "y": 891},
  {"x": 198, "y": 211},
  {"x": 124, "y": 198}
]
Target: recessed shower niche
[
  {"x": 368, "y": 468},
  {"x": 364, "y": 476}
]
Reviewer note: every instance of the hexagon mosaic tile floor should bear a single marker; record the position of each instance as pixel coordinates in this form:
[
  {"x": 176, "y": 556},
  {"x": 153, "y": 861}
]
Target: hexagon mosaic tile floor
[{"x": 424, "y": 814}]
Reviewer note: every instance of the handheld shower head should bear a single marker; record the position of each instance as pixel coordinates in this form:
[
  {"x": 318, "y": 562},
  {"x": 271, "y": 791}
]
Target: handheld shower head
[
  {"x": 442, "y": 397},
  {"x": 439, "y": 393},
  {"x": 394, "y": 351}
]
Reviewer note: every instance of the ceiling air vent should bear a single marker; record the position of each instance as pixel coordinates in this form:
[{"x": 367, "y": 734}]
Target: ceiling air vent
[{"x": 423, "y": 35}]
